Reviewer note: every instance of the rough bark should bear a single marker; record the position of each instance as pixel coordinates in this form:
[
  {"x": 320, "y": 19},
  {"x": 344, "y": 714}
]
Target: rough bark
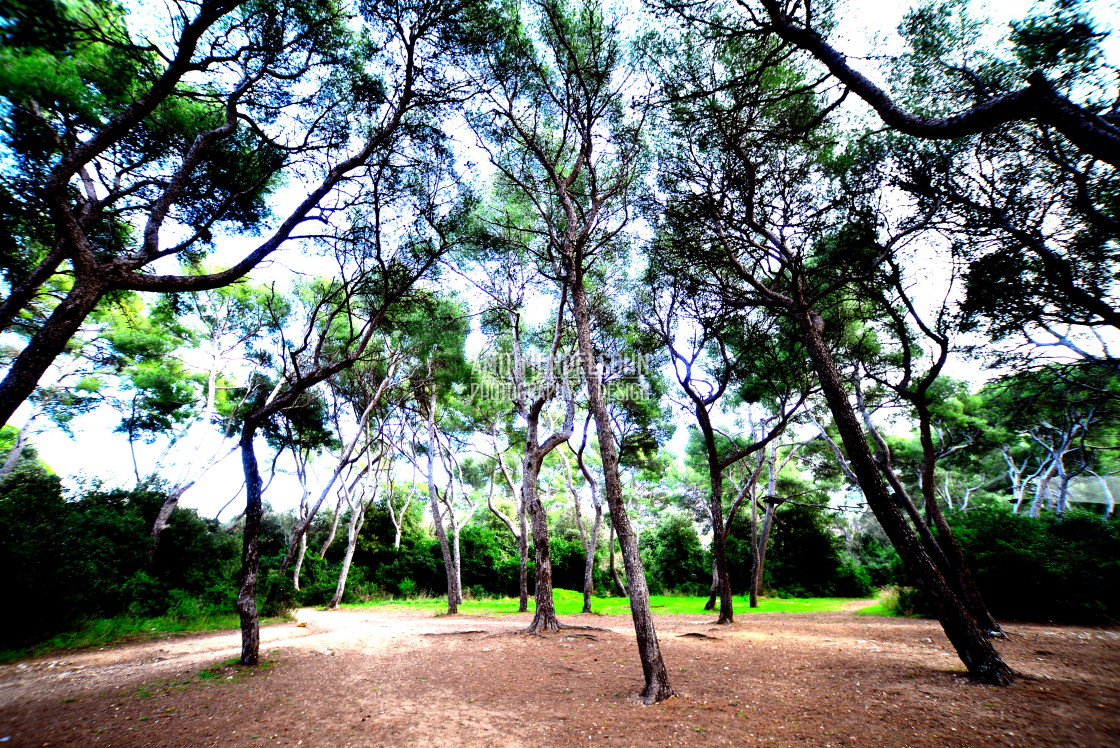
[
  {"x": 973, "y": 647},
  {"x": 544, "y": 619},
  {"x": 47, "y": 345},
  {"x": 657, "y": 686},
  {"x": 453, "y": 595},
  {"x": 250, "y": 551}
]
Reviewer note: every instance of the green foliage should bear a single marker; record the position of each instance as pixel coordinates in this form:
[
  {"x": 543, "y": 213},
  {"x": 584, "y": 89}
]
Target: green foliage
[
  {"x": 86, "y": 558},
  {"x": 1050, "y": 568},
  {"x": 673, "y": 557},
  {"x": 807, "y": 559}
]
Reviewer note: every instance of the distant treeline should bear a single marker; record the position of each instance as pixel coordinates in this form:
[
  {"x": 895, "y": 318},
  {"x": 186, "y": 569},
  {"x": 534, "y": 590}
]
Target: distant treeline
[{"x": 74, "y": 559}]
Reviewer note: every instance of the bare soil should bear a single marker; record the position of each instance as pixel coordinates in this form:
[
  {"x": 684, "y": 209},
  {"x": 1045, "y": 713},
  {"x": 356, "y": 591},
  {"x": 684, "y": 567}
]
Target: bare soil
[{"x": 387, "y": 678}]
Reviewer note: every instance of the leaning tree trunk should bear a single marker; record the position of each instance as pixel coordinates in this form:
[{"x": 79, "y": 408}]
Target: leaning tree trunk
[
  {"x": 946, "y": 541},
  {"x": 47, "y": 345},
  {"x": 713, "y": 591},
  {"x": 974, "y": 648},
  {"x": 657, "y": 686},
  {"x": 357, "y": 519},
  {"x": 250, "y": 551}
]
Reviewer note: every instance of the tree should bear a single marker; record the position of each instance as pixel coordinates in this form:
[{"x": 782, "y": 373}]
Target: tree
[
  {"x": 758, "y": 218},
  {"x": 555, "y": 107},
  {"x": 538, "y": 371},
  {"x": 376, "y": 280},
  {"x": 186, "y": 132}
]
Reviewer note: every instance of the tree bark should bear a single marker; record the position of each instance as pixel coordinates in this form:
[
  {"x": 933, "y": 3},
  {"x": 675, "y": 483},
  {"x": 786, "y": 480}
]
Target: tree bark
[
  {"x": 453, "y": 595},
  {"x": 657, "y": 686},
  {"x": 619, "y": 587},
  {"x": 47, "y": 345},
  {"x": 544, "y": 619},
  {"x": 357, "y": 519},
  {"x": 250, "y": 551},
  {"x": 973, "y": 647}
]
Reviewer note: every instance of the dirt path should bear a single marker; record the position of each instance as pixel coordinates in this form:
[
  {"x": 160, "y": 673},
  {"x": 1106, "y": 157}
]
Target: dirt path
[{"x": 388, "y": 678}]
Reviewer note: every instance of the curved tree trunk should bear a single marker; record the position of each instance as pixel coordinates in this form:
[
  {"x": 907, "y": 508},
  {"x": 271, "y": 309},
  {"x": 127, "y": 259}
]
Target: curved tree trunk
[
  {"x": 973, "y": 647},
  {"x": 357, "y": 519},
  {"x": 49, "y": 342}
]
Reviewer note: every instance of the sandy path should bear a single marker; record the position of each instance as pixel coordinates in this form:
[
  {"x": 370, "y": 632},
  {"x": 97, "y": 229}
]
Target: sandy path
[{"x": 389, "y": 678}]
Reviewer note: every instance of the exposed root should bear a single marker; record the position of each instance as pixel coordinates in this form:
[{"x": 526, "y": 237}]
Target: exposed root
[
  {"x": 698, "y": 635},
  {"x": 453, "y": 633}
]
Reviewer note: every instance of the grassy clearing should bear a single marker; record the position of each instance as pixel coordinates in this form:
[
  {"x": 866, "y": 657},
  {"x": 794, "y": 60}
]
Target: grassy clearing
[
  {"x": 571, "y": 603},
  {"x": 104, "y": 632}
]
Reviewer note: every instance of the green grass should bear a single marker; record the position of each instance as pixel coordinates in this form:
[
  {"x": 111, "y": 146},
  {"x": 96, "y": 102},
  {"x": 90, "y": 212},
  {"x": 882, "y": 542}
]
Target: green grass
[
  {"x": 570, "y": 603},
  {"x": 104, "y": 632}
]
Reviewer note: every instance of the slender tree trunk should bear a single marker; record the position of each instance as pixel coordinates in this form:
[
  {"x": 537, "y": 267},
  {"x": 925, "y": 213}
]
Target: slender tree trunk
[
  {"x": 357, "y": 519},
  {"x": 657, "y": 686},
  {"x": 17, "y": 448},
  {"x": 973, "y": 647},
  {"x": 713, "y": 590},
  {"x": 753, "y": 592},
  {"x": 162, "y": 520},
  {"x": 1042, "y": 489},
  {"x": 523, "y": 558},
  {"x": 250, "y": 551},
  {"x": 441, "y": 532},
  {"x": 334, "y": 530},
  {"x": 455, "y": 555},
  {"x": 590, "y": 548},
  {"x": 297, "y": 567},
  {"x": 619, "y": 587},
  {"x": 758, "y": 569},
  {"x": 946, "y": 541}
]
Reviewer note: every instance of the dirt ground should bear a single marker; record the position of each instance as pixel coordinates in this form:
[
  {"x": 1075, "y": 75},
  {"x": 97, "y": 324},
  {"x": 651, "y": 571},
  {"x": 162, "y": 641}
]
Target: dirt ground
[{"x": 384, "y": 678}]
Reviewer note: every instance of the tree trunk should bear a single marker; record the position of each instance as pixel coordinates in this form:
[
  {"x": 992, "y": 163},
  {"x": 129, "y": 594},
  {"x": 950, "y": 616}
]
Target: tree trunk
[
  {"x": 47, "y": 345},
  {"x": 357, "y": 519},
  {"x": 17, "y": 448},
  {"x": 545, "y": 617},
  {"x": 589, "y": 552},
  {"x": 975, "y": 650},
  {"x": 713, "y": 591},
  {"x": 946, "y": 541},
  {"x": 162, "y": 519},
  {"x": 619, "y": 587},
  {"x": 523, "y": 558},
  {"x": 657, "y": 686},
  {"x": 758, "y": 569},
  {"x": 250, "y": 551},
  {"x": 441, "y": 532},
  {"x": 297, "y": 567},
  {"x": 334, "y": 530}
]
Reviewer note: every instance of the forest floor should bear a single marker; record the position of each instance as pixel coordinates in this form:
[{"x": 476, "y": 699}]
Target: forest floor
[{"x": 385, "y": 677}]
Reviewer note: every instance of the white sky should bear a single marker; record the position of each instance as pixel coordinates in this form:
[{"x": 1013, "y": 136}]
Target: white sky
[{"x": 867, "y": 27}]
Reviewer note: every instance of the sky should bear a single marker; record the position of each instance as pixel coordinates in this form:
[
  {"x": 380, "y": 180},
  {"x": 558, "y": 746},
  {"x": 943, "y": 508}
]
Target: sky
[{"x": 866, "y": 28}]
